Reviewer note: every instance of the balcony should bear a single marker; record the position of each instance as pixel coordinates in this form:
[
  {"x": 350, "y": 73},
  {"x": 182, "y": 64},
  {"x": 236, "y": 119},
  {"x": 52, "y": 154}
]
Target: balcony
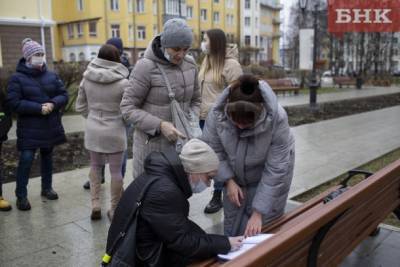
[
  {"x": 272, "y": 4},
  {"x": 276, "y": 21}
]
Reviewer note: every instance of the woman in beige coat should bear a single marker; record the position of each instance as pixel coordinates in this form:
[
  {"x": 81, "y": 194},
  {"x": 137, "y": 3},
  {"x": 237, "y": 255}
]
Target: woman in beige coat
[
  {"x": 99, "y": 99},
  {"x": 146, "y": 103},
  {"x": 220, "y": 67}
]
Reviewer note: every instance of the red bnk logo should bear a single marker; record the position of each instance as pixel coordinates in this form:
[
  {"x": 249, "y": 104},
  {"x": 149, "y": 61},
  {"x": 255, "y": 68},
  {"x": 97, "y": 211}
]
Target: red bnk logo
[{"x": 364, "y": 16}]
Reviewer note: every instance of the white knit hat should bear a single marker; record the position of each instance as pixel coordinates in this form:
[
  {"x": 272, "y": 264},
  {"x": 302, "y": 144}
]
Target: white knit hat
[{"x": 198, "y": 157}]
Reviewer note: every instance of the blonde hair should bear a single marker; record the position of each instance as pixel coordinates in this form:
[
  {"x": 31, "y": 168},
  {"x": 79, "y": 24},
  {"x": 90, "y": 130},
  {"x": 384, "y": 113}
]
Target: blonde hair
[
  {"x": 214, "y": 61},
  {"x": 216, "y": 66}
]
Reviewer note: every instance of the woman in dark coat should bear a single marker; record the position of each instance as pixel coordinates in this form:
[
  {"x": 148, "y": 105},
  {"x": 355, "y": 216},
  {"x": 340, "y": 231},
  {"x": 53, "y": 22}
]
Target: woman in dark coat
[
  {"x": 37, "y": 96},
  {"x": 165, "y": 236}
]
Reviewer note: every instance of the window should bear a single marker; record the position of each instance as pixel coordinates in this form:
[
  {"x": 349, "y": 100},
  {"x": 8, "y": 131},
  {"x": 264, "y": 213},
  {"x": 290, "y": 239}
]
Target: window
[
  {"x": 395, "y": 40},
  {"x": 155, "y": 7},
  {"x": 82, "y": 56},
  {"x": 172, "y": 7},
  {"x": 216, "y": 17},
  {"x": 114, "y": 5},
  {"x": 140, "y": 6},
  {"x": 79, "y": 29},
  {"x": 141, "y": 32},
  {"x": 256, "y": 23},
  {"x": 93, "y": 55},
  {"x": 203, "y": 14},
  {"x": 216, "y": 1},
  {"x": 93, "y": 28},
  {"x": 130, "y": 6},
  {"x": 80, "y": 5},
  {"x": 247, "y": 21},
  {"x": 247, "y": 40},
  {"x": 189, "y": 12},
  {"x": 256, "y": 39},
  {"x": 131, "y": 32},
  {"x": 155, "y": 29},
  {"x": 70, "y": 29},
  {"x": 72, "y": 57},
  {"x": 247, "y": 4},
  {"x": 115, "y": 30}
]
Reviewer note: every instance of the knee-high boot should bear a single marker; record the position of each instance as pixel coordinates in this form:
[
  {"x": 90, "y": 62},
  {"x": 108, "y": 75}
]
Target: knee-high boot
[
  {"x": 116, "y": 193},
  {"x": 95, "y": 188}
]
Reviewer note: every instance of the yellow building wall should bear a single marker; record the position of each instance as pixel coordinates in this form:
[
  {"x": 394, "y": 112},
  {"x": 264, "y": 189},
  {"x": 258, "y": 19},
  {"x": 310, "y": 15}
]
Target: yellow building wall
[
  {"x": 66, "y": 11},
  {"x": 28, "y": 9}
]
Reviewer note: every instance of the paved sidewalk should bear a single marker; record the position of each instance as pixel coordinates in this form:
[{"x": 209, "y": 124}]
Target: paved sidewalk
[
  {"x": 76, "y": 123},
  {"x": 293, "y": 100},
  {"x": 60, "y": 233}
]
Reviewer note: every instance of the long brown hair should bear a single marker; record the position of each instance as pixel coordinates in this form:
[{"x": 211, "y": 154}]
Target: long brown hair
[
  {"x": 110, "y": 53},
  {"x": 215, "y": 59}
]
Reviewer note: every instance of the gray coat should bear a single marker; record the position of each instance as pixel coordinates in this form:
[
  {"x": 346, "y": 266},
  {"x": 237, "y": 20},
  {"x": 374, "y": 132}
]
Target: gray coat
[
  {"x": 99, "y": 99},
  {"x": 261, "y": 160},
  {"x": 146, "y": 102}
]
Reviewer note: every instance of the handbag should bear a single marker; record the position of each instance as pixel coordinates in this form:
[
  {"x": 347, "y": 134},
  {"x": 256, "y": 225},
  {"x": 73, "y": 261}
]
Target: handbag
[
  {"x": 122, "y": 252},
  {"x": 186, "y": 123}
]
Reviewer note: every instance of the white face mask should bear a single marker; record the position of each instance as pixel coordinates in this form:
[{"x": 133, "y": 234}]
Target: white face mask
[
  {"x": 204, "y": 48},
  {"x": 167, "y": 56},
  {"x": 198, "y": 187},
  {"x": 37, "y": 61}
]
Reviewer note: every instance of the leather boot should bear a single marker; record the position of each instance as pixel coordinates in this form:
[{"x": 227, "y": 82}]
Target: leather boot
[
  {"x": 4, "y": 205},
  {"x": 397, "y": 212},
  {"x": 215, "y": 203},
  {"x": 116, "y": 193},
  {"x": 95, "y": 195}
]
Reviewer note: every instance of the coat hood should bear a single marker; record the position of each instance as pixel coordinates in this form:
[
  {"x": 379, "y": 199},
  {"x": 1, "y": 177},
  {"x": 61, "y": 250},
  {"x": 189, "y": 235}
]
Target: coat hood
[
  {"x": 232, "y": 51},
  {"x": 22, "y": 68},
  {"x": 270, "y": 107},
  {"x": 105, "y": 71},
  {"x": 154, "y": 52},
  {"x": 168, "y": 162}
]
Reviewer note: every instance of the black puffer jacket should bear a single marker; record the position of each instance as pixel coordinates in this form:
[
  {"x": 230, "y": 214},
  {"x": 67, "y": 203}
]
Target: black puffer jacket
[{"x": 163, "y": 219}]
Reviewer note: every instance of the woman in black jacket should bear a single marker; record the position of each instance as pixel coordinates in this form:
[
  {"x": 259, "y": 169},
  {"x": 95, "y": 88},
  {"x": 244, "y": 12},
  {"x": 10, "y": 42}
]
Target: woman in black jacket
[
  {"x": 164, "y": 235},
  {"x": 5, "y": 125}
]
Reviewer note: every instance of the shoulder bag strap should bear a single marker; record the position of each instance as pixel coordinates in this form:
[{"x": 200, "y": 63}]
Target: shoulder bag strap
[{"x": 171, "y": 93}]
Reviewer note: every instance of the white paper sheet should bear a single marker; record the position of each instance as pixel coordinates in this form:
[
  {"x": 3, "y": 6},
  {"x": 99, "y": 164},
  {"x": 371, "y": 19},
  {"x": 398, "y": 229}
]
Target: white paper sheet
[{"x": 248, "y": 243}]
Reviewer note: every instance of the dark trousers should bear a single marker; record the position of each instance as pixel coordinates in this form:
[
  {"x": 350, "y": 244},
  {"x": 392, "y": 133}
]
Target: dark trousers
[
  {"x": 218, "y": 186},
  {"x": 24, "y": 168}
]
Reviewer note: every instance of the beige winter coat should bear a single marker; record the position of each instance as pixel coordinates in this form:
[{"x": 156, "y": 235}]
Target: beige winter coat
[
  {"x": 99, "y": 98},
  {"x": 209, "y": 89},
  {"x": 146, "y": 102}
]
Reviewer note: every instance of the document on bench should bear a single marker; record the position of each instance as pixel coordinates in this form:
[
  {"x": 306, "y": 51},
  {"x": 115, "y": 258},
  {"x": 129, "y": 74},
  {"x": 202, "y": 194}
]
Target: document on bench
[{"x": 247, "y": 244}]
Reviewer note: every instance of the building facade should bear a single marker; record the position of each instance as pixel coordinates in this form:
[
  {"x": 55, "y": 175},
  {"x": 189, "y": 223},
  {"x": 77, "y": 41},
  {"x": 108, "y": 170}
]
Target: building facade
[
  {"x": 89, "y": 23},
  {"x": 260, "y": 31},
  {"x": 33, "y": 21}
]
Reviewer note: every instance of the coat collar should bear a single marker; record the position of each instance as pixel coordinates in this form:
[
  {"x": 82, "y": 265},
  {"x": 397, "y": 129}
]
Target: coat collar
[{"x": 181, "y": 177}]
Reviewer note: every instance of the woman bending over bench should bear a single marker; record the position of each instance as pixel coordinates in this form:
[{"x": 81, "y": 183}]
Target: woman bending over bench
[{"x": 249, "y": 131}]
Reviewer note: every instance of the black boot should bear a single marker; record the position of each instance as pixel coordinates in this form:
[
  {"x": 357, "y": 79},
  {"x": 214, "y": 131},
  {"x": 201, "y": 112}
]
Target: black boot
[
  {"x": 397, "y": 212},
  {"x": 215, "y": 203}
]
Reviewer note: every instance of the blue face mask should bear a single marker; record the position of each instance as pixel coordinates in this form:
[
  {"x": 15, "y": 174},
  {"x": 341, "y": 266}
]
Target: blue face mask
[{"x": 198, "y": 187}]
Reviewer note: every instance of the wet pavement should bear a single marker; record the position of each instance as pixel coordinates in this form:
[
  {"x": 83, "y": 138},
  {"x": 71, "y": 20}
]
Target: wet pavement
[{"x": 60, "y": 233}]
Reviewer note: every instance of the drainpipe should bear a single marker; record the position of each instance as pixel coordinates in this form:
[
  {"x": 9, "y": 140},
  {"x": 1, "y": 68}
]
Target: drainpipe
[{"x": 42, "y": 24}]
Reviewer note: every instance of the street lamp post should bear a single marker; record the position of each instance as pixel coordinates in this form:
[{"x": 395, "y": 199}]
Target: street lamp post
[{"x": 313, "y": 85}]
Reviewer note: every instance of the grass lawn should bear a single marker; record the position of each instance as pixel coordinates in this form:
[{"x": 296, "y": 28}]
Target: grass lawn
[{"x": 372, "y": 166}]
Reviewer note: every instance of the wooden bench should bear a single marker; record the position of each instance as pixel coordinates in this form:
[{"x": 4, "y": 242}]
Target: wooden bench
[
  {"x": 344, "y": 80},
  {"x": 283, "y": 85},
  {"x": 321, "y": 232}
]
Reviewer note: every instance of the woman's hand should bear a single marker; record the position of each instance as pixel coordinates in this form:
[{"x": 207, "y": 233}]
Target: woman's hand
[
  {"x": 170, "y": 132},
  {"x": 47, "y": 108},
  {"x": 254, "y": 224},
  {"x": 236, "y": 242},
  {"x": 235, "y": 193}
]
